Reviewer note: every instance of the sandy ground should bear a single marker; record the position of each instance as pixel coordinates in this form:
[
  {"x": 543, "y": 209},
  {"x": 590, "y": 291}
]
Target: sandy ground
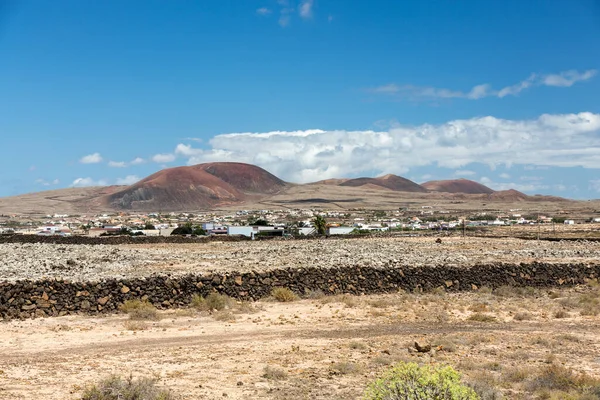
[{"x": 328, "y": 348}]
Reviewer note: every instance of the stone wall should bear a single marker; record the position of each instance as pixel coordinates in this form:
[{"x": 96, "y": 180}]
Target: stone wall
[
  {"x": 26, "y": 299},
  {"x": 116, "y": 240}
]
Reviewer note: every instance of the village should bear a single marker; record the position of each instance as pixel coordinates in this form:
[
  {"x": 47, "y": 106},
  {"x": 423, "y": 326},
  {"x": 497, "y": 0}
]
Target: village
[{"x": 253, "y": 223}]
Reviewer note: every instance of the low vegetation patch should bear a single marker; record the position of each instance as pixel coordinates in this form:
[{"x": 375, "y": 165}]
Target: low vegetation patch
[
  {"x": 274, "y": 373},
  {"x": 284, "y": 295},
  {"x": 117, "y": 388},
  {"x": 481, "y": 317},
  {"x": 212, "y": 302},
  {"x": 410, "y": 381},
  {"x": 140, "y": 310}
]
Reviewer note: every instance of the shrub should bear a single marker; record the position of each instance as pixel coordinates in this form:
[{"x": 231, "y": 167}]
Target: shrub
[
  {"x": 274, "y": 373},
  {"x": 138, "y": 309},
  {"x": 522, "y": 316},
  {"x": 409, "y": 381},
  {"x": 561, "y": 314},
  {"x": 345, "y": 368},
  {"x": 284, "y": 294},
  {"x": 214, "y": 301},
  {"x": 117, "y": 388},
  {"x": 480, "y": 317}
]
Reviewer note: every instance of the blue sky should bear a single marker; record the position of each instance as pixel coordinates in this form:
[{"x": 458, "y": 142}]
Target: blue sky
[{"x": 107, "y": 92}]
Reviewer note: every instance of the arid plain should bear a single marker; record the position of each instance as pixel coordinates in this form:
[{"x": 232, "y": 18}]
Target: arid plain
[{"x": 515, "y": 342}]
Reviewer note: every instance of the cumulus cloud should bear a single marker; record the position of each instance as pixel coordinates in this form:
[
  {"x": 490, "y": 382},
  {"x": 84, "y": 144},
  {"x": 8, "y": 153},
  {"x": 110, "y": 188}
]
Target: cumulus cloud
[
  {"x": 305, "y": 9},
  {"x": 505, "y": 176},
  {"x": 263, "y": 11},
  {"x": 128, "y": 180},
  {"x": 83, "y": 182},
  {"x": 563, "y": 140},
  {"x": 117, "y": 164},
  {"x": 137, "y": 161},
  {"x": 91, "y": 159},
  {"x": 562, "y": 79},
  {"x": 163, "y": 158}
]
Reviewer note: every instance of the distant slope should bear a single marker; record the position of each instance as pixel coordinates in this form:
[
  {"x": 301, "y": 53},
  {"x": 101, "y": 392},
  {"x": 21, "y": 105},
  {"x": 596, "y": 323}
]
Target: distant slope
[
  {"x": 392, "y": 182},
  {"x": 201, "y": 186},
  {"x": 457, "y": 186},
  {"x": 510, "y": 195}
]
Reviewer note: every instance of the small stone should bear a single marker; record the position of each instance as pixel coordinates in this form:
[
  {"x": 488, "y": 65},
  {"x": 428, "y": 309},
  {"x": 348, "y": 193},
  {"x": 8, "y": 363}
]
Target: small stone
[
  {"x": 103, "y": 300},
  {"x": 238, "y": 280},
  {"x": 45, "y": 296},
  {"x": 125, "y": 289},
  {"x": 85, "y": 305},
  {"x": 28, "y": 307},
  {"x": 240, "y": 383}
]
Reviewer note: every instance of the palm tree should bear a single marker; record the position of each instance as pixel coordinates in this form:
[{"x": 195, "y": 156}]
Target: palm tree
[{"x": 320, "y": 224}]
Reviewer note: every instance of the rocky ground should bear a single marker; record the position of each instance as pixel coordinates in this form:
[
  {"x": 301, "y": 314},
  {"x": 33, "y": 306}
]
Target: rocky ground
[
  {"x": 521, "y": 344},
  {"x": 90, "y": 263}
]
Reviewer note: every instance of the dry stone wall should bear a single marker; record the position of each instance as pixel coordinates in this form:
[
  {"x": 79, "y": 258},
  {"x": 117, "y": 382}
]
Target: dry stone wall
[{"x": 27, "y": 299}]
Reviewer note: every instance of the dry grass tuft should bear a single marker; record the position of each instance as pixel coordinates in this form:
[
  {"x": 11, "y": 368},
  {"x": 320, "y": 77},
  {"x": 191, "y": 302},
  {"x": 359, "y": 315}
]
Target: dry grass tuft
[
  {"x": 480, "y": 317},
  {"x": 284, "y": 295},
  {"x": 347, "y": 299},
  {"x": 117, "y": 388},
  {"x": 140, "y": 310},
  {"x": 561, "y": 314},
  {"x": 274, "y": 373},
  {"x": 135, "y": 325},
  {"x": 345, "y": 368},
  {"x": 523, "y": 316},
  {"x": 214, "y": 301}
]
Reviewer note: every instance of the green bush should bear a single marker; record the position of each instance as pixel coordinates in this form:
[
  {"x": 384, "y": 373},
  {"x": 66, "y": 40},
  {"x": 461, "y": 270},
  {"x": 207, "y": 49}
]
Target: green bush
[
  {"x": 409, "y": 381},
  {"x": 117, "y": 388}
]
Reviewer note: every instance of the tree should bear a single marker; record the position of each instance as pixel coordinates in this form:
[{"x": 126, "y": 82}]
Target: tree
[
  {"x": 149, "y": 226},
  {"x": 320, "y": 224}
]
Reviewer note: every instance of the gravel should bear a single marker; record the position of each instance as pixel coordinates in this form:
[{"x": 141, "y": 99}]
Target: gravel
[{"x": 91, "y": 263}]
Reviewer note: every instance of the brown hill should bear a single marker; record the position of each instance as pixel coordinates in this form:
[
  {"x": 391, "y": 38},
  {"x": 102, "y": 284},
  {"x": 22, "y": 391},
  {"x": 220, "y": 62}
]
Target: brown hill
[
  {"x": 392, "y": 182},
  {"x": 509, "y": 196},
  {"x": 201, "y": 186},
  {"x": 457, "y": 186}
]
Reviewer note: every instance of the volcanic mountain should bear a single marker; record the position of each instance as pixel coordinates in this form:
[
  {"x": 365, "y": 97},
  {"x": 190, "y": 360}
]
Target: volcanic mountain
[
  {"x": 201, "y": 186},
  {"x": 392, "y": 182},
  {"x": 457, "y": 186}
]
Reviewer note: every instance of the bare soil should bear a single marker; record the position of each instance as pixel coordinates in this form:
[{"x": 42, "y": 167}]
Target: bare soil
[{"x": 322, "y": 348}]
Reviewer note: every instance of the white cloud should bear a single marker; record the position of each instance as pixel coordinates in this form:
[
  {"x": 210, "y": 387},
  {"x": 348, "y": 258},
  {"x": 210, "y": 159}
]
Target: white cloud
[
  {"x": 128, "y": 180},
  {"x": 44, "y": 182},
  {"x": 562, "y": 140},
  {"x": 330, "y": 18},
  {"x": 595, "y": 185},
  {"x": 464, "y": 172},
  {"x": 163, "y": 158},
  {"x": 263, "y": 11},
  {"x": 83, "y": 182},
  {"x": 568, "y": 78},
  {"x": 305, "y": 9},
  {"x": 137, "y": 161},
  {"x": 505, "y": 176},
  {"x": 563, "y": 79},
  {"x": 117, "y": 164},
  {"x": 284, "y": 20},
  {"x": 91, "y": 159}
]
